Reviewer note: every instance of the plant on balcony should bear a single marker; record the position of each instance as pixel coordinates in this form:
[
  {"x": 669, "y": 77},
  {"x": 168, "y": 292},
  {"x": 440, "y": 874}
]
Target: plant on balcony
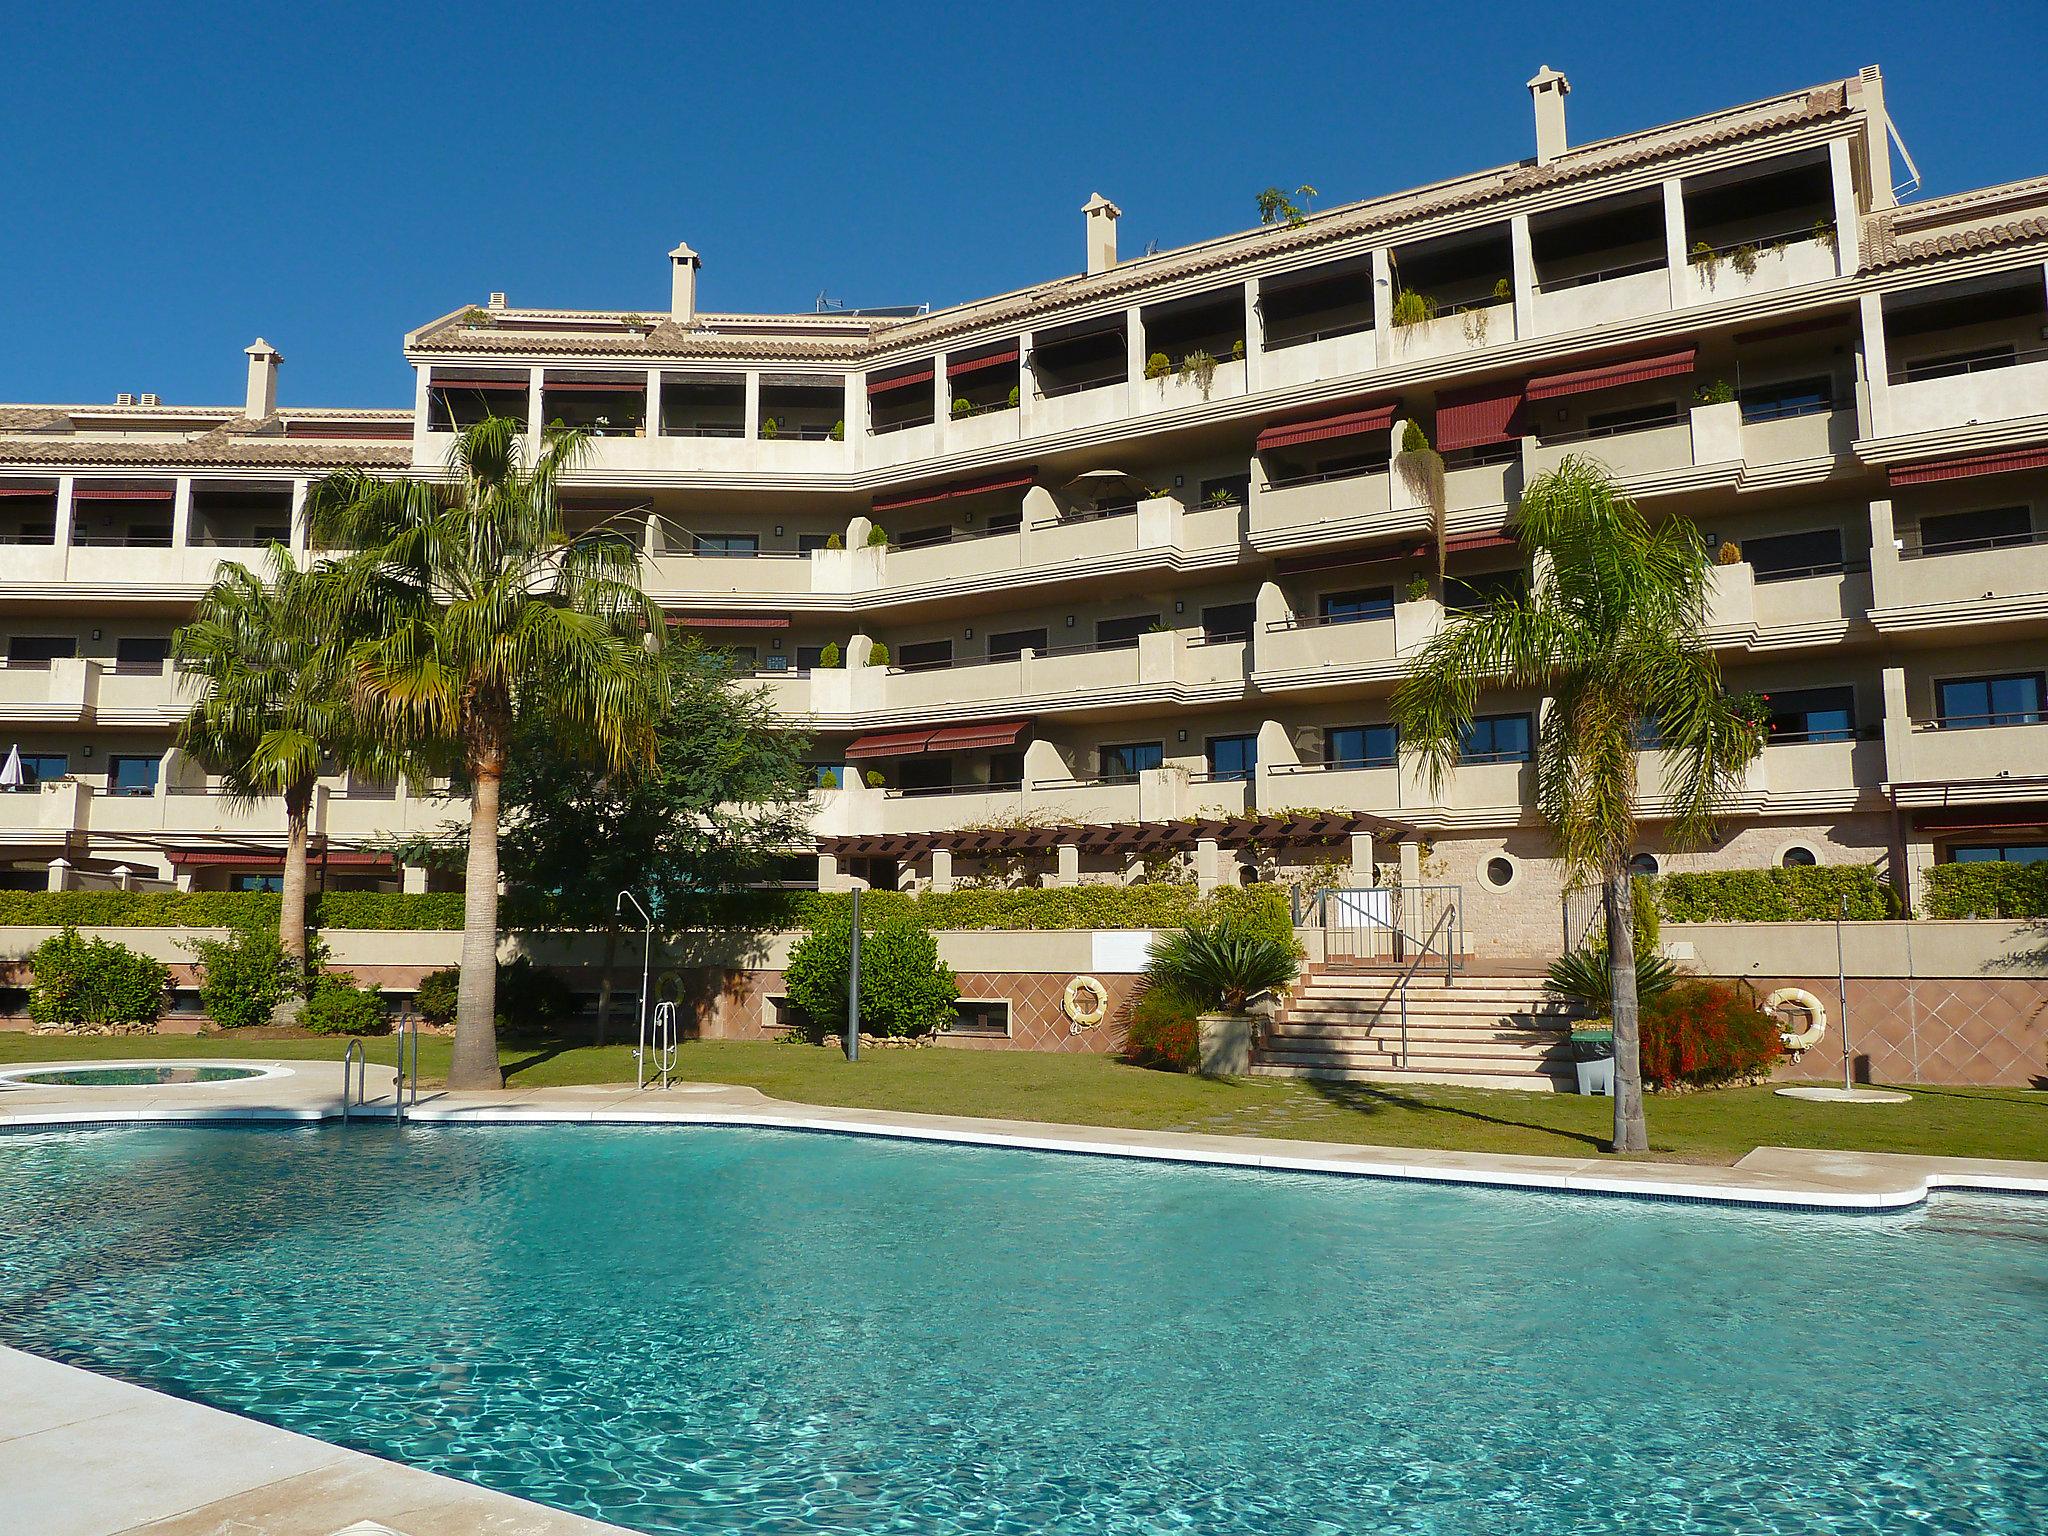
[
  {"x": 1476, "y": 323},
  {"x": 1158, "y": 366},
  {"x": 878, "y": 654},
  {"x": 829, "y": 656},
  {"x": 878, "y": 536},
  {"x": 1503, "y": 289},
  {"x": 1421, "y": 468},
  {"x": 1417, "y": 589},
  {"x": 486, "y": 619},
  {"x": 834, "y": 541},
  {"x": 1220, "y": 496},
  {"x": 1013, "y": 397},
  {"x": 1743, "y": 258},
  {"x": 1200, "y": 367},
  {"x": 873, "y": 778},
  {"x": 1237, "y": 350},
  {"x": 476, "y": 318},
  {"x": 961, "y": 406},
  {"x": 1824, "y": 234},
  {"x": 1706, "y": 260},
  {"x": 770, "y": 428},
  {"x": 633, "y": 322},
  {"x": 1720, "y": 392},
  {"x": 1730, "y": 553},
  {"x": 838, "y": 432},
  {"x": 1412, "y": 308},
  {"x": 1613, "y": 629},
  {"x": 1278, "y": 206}
]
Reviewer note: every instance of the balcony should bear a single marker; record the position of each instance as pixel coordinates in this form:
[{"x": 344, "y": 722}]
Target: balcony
[
  {"x": 1790, "y": 439},
  {"x": 1320, "y": 509},
  {"x": 1632, "y": 453},
  {"x": 1084, "y": 802},
  {"x": 958, "y": 805},
  {"x": 786, "y": 453},
  {"x": 1930, "y": 397},
  {"x": 1601, "y": 297},
  {"x": 1316, "y": 786},
  {"x": 1958, "y": 752},
  {"x": 1180, "y": 389},
  {"x": 48, "y": 692},
  {"x": 1312, "y": 652},
  {"x": 1311, "y": 357},
  {"x": 682, "y": 576},
  {"x": 1982, "y": 575},
  {"x": 1741, "y": 269},
  {"x": 1456, "y": 328},
  {"x": 1815, "y": 605}
]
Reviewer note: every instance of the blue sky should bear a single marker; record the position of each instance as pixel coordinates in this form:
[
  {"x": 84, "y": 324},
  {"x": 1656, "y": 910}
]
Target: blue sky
[{"x": 180, "y": 179}]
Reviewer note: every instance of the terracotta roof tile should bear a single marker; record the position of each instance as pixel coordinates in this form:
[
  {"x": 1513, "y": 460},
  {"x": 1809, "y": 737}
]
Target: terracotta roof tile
[
  {"x": 218, "y": 449},
  {"x": 2015, "y": 213}
]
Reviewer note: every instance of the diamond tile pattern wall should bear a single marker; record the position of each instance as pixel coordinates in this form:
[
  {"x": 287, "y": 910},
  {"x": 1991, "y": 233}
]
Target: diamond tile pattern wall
[
  {"x": 1961, "y": 1030},
  {"x": 740, "y": 1010}
]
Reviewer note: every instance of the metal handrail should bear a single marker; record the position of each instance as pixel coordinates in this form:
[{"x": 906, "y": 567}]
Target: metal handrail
[
  {"x": 354, "y": 1053},
  {"x": 1422, "y": 952},
  {"x": 404, "y": 1032}
]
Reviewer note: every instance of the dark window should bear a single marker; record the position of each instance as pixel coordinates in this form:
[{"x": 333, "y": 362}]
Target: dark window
[
  {"x": 774, "y": 661},
  {"x": 924, "y": 538},
  {"x": 1006, "y": 767},
  {"x": 272, "y": 533},
  {"x": 2000, "y": 853},
  {"x": 1470, "y": 594},
  {"x": 1633, "y": 418},
  {"x": 1352, "y": 607},
  {"x": 1115, "y": 634},
  {"x": 1005, "y": 644},
  {"x": 1952, "y": 363},
  {"x": 1496, "y": 739},
  {"x": 808, "y": 656},
  {"x": 131, "y": 775},
  {"x": 1784, "y": 556},
  {"x": 141, "y": 653},
  {"x": 924, "y": 655},
  {"x": 40, "y": 650},
  {"x": 1965, "y": 703},
  {"x": 1228, "y": 621},
  {"x": 1798, "y": 857},
  {"x": 1788, "y": 397},
  {"x": 42, "y": 767},
  {"x": 1233, "y": 758},
  {"x": 1122, "y": 764},
  {"x": 981, "y": 1016},
  {"x": 1812, "y": 714},
  {"x": 1987, "y": 528},
  {"x": 827, "y": 775},
  {"x": 1005, "y": 519},
  {"x": 1360, "y": 746},
  {"x": 728, "y": 546},
  {"x": 933, "y": 772},
  {"x": 149, "y": 535},
  {"x": 1226, "y": 490},
  {"x": 256, "y": 882},
  {"x": 1649, "y": 734},
  {"x": 806, "y": 542}
]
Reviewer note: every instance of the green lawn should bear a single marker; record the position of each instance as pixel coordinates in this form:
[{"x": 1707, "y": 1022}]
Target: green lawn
[{"x": 1087, "y": 1090}]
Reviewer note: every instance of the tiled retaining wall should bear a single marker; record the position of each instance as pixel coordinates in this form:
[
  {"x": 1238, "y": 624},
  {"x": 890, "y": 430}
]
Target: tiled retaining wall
[{"x": 1958, "y": 1030}]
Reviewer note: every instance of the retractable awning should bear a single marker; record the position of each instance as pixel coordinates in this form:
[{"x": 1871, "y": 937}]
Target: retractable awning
[
  {"x": 594, "y": 387},
  {"x": 728, "y": 621},
  {"x": 1484, "y": 538},
  {"x": 975, "y": 364},
  {"x": 1347, "y": 559},
  {"x": 1010, "y": 482},
  {"x": 1480, "y": 417},
  {"x": 1583, "y": 381},
  {"x": 1969, "y": 466},
  {"x": 1997, "y": 818},
  {"x": 966, "y": 738},
  {"x": 113, "y": 493},
  {"x": 890, "y": 744},
  {"x": 1374, "y": 418},
  {"x": 900, "y": 381}
]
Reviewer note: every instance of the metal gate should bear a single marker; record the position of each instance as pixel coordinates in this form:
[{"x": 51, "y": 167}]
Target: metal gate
[
  {"x": 1392, "y": 922},
  {"x": 1585, "y": 917}
]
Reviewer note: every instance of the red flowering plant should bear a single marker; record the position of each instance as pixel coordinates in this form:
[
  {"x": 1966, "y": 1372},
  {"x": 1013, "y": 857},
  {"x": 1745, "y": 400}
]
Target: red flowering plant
[{"x": 1707, "y": 1034}]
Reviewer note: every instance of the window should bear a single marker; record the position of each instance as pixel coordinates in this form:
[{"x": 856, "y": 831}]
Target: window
[
  {"x": 981, "y": 1016},
  {"x": 1496, "y": 739},
  {"x": 827, "y": 775},
  {"x": 808, "y": 657},
  {"x": 2000, "y": 853},
  {"x": 1226, "y": 490},
  {"x": 1469, "y": 594},
  {"x": 141, "y": 653},
  {"x": 1122, "y": 764},
  {"x": 42, "y": 768},
  {"x": 925, "y": 655},
  {"x": 1121, "y": 634},
  {"x": 1644, "y": 864},
  {"x": 1006, "y": 644},
  {"x": 774, "y": 661},
  {"x": 362, "y": 786},
  {"x": 743, "y": 658},
  {"x": 1500, "y": 872},
  {"x": 1005, "y": 520},
  {"x": 40, "y": 650},
  {"x": 1006, "y": 768},
  {"x": 1989, "y": 528},
  {"x": 149, "y": 535},
  {"x": 1787, "y": 397},
  {"x": 1360, "y": 746},
  {"x": 806, "y": 542},
  {"x": 1784, "y": 556},
  {"x": 1355, "y": 607},
  {"x": 1798, "y": 856},
  {"x": 131, "y": 775},
  {"x": 927, "y": 773},
  {"x": 726, "y": 546},
  {"x": 1811, "y": 714},
  {"x": 256, "y": 882},
  {"x": 1228, "y": 621},
  {"x": 1233, "y": 759},
  {"x": 1967, "y": 703},
  {"x": 1634, "y": 418}
]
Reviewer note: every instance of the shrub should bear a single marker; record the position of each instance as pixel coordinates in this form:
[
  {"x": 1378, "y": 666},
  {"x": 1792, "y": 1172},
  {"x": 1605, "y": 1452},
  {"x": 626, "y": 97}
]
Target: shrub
[
  {"x": 830, "y": 656},
  {"x": 1991, "y": 889},
  {"x": 1222, "y": 964},
  {"x": 435, "y": 996},
  {"x": 339, "y": 1007},
  {"x": 1743, "y": 258},
  {"x": 1157, "y": 366},
  {"x": 1412, "y": 308},
  {"x": 1808, "y": 894},
  {"x": 1162, "y": 1032},
  {"x": 878, "y": 537},
  {"x": 835, "y": 541},
  {"x": 419, "y": 910},
  {"x": 878, "y": 654},
  {"x": 770, "y": 427},
  {"x": 1702, "y": 1034},
  {"x": 95, "y": 982},
  {"x": 529, "y": 999},
  {"x": 875, "y": 780},
  {"x": 960, "y": 406},
  {"x": 1720, "y": 392},
  {"x": 1413, "y": 438},
  {"x": 1586, "y": 976},
  {"x": 838, "y": 433},
  {"x": 905, "y": 988},
  {"x": 243, "y": 977}
]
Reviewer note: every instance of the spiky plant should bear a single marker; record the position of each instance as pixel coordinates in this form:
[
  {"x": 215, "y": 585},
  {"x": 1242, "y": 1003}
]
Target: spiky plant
[{"x": 1221, "y": 965}]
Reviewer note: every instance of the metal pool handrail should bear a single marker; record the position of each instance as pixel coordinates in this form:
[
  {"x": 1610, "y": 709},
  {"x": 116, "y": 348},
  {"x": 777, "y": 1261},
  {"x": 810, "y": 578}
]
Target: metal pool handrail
[
  {"x": 405, "y": 1030},
  {"x": 354, "y": 1053}
]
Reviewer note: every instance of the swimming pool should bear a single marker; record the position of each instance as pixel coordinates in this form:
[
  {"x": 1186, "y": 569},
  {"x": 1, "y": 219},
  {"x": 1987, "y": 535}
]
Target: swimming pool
[
  {"x": 134, "y": 1075},
  {"x": 708, "y": 1330}
]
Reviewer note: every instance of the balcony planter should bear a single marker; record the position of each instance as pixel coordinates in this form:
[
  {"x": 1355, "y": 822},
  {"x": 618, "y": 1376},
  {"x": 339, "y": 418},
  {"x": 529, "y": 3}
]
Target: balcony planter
[
  {"x": 1224, "y": 1044},
  {"x": 1593, "y": 1057}
]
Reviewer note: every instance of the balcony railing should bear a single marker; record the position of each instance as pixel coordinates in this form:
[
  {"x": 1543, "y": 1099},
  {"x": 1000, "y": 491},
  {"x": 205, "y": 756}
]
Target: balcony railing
[
  {"x": 1953, "y": 367},
  {"x": 1099, "y": 381},
  {"x": 927, "y": 791},
  {"x": 1601, "y": 275},
  {"x": 705, "y": 429},
  {"x": 1801, "y": 572},
  {"x": 1323, "y": 477},
  {"x": 1913, "y": 547},
  {"x": 1324, "y": 333},
  {"x": 1981, "y": 722}
]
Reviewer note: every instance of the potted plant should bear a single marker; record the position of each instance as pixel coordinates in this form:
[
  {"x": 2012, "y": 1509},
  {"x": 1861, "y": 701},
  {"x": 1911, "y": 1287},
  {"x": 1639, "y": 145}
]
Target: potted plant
[
  {"x": 1417, "y": 588},
  {"x": 1221, "y": 968},
  {"x": 838, "y": 432},
  {"x": 770, "y": 428},
  {"x": 1157, "y": 366},
  {"x": 960, "y": 406}
]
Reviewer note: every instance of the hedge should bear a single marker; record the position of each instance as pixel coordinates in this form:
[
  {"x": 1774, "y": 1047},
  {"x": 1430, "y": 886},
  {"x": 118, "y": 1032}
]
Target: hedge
[
  {"x": 1806, "y": 894},
  {"x": 1992, "y": 889},
  {"x": 1264, "y": 908},
  {"x": 225, "y": 909}
]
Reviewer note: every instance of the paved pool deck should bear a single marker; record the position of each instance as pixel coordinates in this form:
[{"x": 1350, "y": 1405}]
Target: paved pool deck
[{"x": 84, "y": 1455}]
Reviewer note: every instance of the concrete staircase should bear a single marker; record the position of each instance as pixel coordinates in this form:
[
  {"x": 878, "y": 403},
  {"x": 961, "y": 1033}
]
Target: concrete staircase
[{"x": 1481, "y": 1031}]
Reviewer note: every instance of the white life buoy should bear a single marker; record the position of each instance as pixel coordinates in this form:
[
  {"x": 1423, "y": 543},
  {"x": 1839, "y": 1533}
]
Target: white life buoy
[
  {"x": 1816, "y": 1017},
  {"x": 1085, "y": 1015}
]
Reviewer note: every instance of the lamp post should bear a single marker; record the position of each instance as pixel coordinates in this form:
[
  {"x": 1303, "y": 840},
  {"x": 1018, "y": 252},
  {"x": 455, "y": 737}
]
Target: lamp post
[
  {"x": 1842, "y": 998},
  {"x": 853, "y": 985}
]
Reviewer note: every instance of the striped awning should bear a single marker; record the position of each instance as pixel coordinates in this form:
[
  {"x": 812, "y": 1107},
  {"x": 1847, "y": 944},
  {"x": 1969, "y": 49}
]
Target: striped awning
[
  {"x": 965, "y": 738},
  {"x": 1015, "y": 480},
  {"x": 1582, "y": 381},
  {"x": 1374, "y": 418},
  {"x": 890, "y": 744},
  {"x": 1480, "y": 417},
  {"x": 1970, "y": 465},
  {"x": 899, "y": 381},
  {"x": 117, "y": 493},
  {"x": 975, "y": 364},
  {"x": 1484, "y": 538}
]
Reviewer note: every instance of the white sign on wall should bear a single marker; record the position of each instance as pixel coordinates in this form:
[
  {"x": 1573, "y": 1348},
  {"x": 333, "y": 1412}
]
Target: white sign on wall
[{"x": 1121, "y": 949}]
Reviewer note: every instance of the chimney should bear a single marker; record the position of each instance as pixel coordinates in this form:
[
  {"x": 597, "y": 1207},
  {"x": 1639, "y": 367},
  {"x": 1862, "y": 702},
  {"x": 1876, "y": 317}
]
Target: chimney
[
  {"x": 1549, "y": 90},
  {"x": 1100, "y": 217},
  {"x": 497, "y": 299},
  {"x": 263, "y": 361},
  {"x": 682, "y": 284},
  {"x": 126, "y": 397}
]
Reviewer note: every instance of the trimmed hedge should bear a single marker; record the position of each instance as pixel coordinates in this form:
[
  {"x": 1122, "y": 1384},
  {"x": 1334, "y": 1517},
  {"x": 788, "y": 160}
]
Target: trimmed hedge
[
  {"x": 1992, "y": 889},
  {"x": 1260, "y": 908},
  {"x": 1809, "y": 894},
  {"x": 225, "y": 909}
]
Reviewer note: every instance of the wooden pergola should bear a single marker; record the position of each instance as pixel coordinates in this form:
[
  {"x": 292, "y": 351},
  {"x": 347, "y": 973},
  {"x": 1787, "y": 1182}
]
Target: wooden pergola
[{"x": 1132, "y": 838}]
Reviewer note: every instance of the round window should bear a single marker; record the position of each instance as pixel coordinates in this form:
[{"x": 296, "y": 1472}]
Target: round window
[
  {"x": 1798, "y": 857},
  {"x": 1500, "y": 872},
  {"x": 1644, "y": 864}
]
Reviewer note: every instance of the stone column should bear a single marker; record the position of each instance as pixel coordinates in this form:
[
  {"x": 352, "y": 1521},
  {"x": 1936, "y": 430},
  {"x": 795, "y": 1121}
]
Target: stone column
[
  {"x": 181, "y": 512},
  {"x": 1887, "y": 576},
  {"x": 58, "y": 876},
  {"x": 67, "y": 521},
  {"x": 1678, "y": 267},
  {"x": 1361, "y": 859},
  {"x": 1067, "y": 869},
  {"x": 750, "y": 408},
  {"x": 1522, "y": 260},
  {"x": 1848, "y": 218},
  {"x": 1026, "y": 387},
  {"x": 1134, "y": 345},
  {"x": 1898, "y": 728},
  {"x": 1411, "y": 862},
  {"x": 1254, "y": 337},
  {"x": 942, "y": 870},
  {"x": 1206, "y": 860},
  {"x": 422, "y": 413},
  {"x": 302, "y": 524},
  {"x": 1382, "y": 308},
  {"x": 413, "y": 879},
  {"x": 1873, "y": 401},
  {"x": 535, "y": 421},
  {"x": 653, "y": 427}
]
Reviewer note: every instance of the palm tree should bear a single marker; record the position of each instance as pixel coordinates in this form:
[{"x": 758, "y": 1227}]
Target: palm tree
[
  {"x": 1612, "y": 629},
  {"x": 486, "y": 610},
  {"x": 272, "y": 716}
]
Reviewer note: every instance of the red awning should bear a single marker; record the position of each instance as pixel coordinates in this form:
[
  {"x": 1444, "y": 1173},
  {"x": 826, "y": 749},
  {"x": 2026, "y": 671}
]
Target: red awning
[
  {"x": 963, "y": 738},
  {"x": 974, "y": 364},
  {"x": 1995, "y": 818},
  {"x": 1009, "y": 482},
  {"x": 103, "y": 493},
  {"x": 1477, "y": 418},
  {"x": 901, "y": 381},
  {"x": 728, "y": 621},
  {"x": 890, "y": 744},
  {"x": 593, "y": 387},
  {"x": 16, "y": 490},
  {"x": 1374, "y": 418},
  {"x": 1966, "y": 467},
  {"x": 493, "y": 385},
  {"x": 1488, "y": 538},
  {"x": 256, "y": 857},
  {"x": 1346, "y": 559},
  {"x": 1581, "y": 381}
]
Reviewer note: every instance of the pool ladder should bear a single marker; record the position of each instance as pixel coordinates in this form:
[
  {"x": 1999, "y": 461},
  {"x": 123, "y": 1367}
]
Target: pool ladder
[{"x": 355, "y": 1066}]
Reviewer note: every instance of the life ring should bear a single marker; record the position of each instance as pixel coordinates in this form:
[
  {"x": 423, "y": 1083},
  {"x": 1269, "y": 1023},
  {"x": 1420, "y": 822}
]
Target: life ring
[
  {"x": 1817, "y": 1017},
  {"x": 1085, "y": 1015}
]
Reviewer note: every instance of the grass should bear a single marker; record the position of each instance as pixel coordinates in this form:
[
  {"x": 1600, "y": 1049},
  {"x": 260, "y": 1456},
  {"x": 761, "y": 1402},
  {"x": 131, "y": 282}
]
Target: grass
[{"x": 1714, "y": 1127}]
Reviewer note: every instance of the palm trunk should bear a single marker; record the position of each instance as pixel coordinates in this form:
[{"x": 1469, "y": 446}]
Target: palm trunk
[
  {"x": 1631, "y": 1133},
  {"x": 474, "y": 1061},
  {"x": 291, "y": 918}
]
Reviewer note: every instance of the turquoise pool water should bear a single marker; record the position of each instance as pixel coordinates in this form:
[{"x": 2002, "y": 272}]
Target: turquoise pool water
[
  {"x": 695, "y": 1331},
  {"x": 132, "y": 1077}
]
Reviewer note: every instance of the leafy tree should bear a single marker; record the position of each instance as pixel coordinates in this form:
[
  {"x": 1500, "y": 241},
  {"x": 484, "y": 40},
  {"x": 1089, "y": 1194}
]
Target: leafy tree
[
  {"x": 1613, "y": 629},
  {"x": 905, "y": 988},
  {"x": 272, "y": 715},
  {"x": 484, "y": 610}
]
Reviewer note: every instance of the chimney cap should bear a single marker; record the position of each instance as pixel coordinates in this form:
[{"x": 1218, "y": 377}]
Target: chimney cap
[
  {"x": 261, "y": 348},
  {"x": 1545, "y": 75},
  {"x": 497, "y": 298},
  {"x": 1097, "y": 203},
  {"x": 682, "y": 252}
]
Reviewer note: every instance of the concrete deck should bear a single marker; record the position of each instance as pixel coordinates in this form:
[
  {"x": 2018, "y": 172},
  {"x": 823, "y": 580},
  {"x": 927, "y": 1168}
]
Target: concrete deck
[{"x": 63, "y": 1474}]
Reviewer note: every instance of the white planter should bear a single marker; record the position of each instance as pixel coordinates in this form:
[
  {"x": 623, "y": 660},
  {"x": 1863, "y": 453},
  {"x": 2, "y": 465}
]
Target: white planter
[
  {"x": 1596, "y": 1077},
  {"x": 1224, "y": 1044}
]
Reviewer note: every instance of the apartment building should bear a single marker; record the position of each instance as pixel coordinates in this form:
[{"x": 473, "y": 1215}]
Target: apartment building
[{"x": 1120, "y": 570}]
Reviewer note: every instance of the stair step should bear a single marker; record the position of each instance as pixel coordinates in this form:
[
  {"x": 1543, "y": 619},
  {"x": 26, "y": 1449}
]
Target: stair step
[
  {"x": 1289, "y": 1029},
  {"x": 1527, "y": 1082}
]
